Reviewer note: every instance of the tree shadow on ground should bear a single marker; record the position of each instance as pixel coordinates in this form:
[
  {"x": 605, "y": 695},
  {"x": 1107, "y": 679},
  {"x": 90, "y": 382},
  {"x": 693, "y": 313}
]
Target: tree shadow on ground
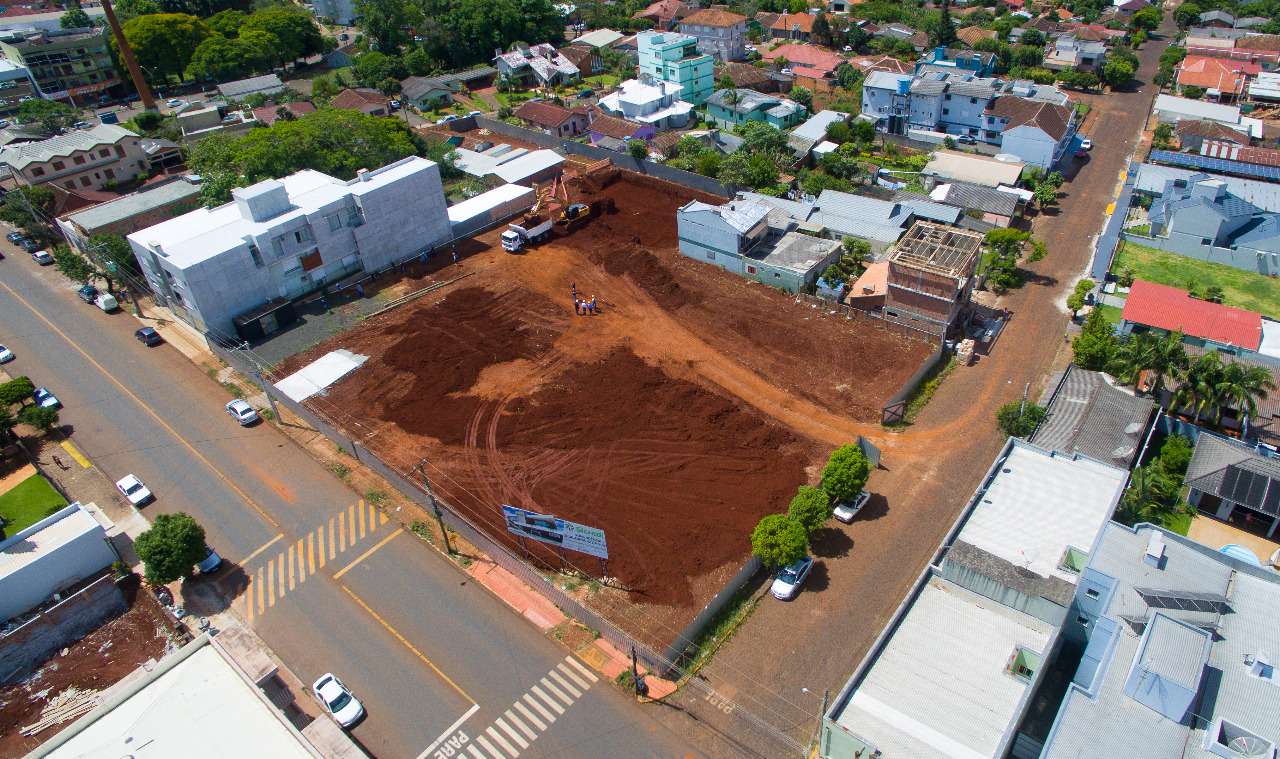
[
  {"x": 819, "y": 578},
  {"x": 1039, "y": 280},
  {"x": 877, "y": 506},
  {"x": 830, "y": 543}
]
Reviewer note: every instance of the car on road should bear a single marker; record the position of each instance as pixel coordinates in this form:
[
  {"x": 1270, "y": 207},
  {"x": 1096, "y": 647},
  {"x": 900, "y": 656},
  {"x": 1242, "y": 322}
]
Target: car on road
[
  {"x": 28, "y": 244},
  {"x": 42, "y": 257},
  {"x": 967, "y": 139},
  {"x": 848, "y": 49},
  {"x": 1086, "y": 144},
  {"x": 845, "y": 511},
  {"x": 585, "y": 94},
  {"x": 474, "y": 113},
  {"x": 1082, "y": 153},
  {"x": 15, "y": 236},
  {"x": 394, "y": 105},
  {"x": 447, "y": 119},
  {"x": 210, "y": 563},
  {"x": 6, "y": 355},
  {"x": 338, "y": 700},
  {"x": 81, "y": 125},
  {"x": 242, "y": 412},
  {"x": 133, "y": 489},
  {"x": 148, "y": 336},
  {"x": 787, "y": 583},
  {"x": 176, "y": 103},
  {"x": 343, "y": 37},
  {"x": 45, "y": 398},
  {"x": 4, "y": 123},
  {"x": 88, "y": 293}
]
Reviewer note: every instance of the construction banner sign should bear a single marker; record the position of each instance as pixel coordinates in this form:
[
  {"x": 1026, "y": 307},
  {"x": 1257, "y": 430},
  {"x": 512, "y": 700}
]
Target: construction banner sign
[{"x": 557, "y": 532}]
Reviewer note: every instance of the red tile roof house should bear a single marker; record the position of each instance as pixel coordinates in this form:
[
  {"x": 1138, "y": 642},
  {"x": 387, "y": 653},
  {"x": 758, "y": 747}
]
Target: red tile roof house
[
  {"x": 793, "y": 26},
  {"x": 267, "y": 113},
  {"x": 553, "y": 119},
  {"x": 806, "y": 59},
  {"x": 1209, "y": 325},
  {"x": 1226, "y": 78},
  {"x": 369, "y": 102},
  {"x": 611, "y": 131},
  {"x": 663, "y": 13}
]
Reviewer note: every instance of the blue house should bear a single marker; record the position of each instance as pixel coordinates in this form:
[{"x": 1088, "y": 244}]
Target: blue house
[{"x": 971, "y": 61}]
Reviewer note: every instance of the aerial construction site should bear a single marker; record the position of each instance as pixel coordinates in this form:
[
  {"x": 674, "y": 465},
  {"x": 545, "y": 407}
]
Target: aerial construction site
[{"x": 690, "y": 404}]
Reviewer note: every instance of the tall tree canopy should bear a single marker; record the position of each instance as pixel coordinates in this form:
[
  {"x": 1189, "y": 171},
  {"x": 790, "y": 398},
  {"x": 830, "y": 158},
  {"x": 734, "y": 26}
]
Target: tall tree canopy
[
  {"x": 165, "y": 42},
  {"x": 297, "y": 34}
]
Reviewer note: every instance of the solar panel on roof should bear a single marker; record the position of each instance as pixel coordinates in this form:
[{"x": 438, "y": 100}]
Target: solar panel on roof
[
  {"x": 1272, "y": 503},
  {"x": 1229, "y": 478},
  {"x": 1184, "y": 600},
  {"x": 1220, "y": 165}
]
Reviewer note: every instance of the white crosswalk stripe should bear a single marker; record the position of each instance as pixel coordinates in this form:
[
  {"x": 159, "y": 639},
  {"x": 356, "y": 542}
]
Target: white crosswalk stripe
[
  {"x": 569, "y": 673},
  {"x": 566, "y": 684},
  {"x": 476, "y": 752},
  {"x": 541, "y": 709},
  {"x": 581, "y": 669},
  {"x": 552, "y": 687},
  {"x": 511, "y": 716},
  {"x": 494, "y": 753},
  {"x": 531, "y": 717},
  {"x": 494, "y": 734},
  {"x": 548, "y": 700},
  {"x": 511, "y": 731}
]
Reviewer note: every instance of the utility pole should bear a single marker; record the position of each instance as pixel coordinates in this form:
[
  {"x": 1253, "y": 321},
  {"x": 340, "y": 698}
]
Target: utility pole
[
  {"x": 422, "y": 469},
  {"x": 131, "y": 63},
  {"x": 257, "y": 374},
  {"x": 642, "y": 688},
  {"x": 1023, "y": 408}
]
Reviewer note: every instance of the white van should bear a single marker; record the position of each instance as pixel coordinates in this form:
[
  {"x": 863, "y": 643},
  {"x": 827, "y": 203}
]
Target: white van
[{"x": 107, "y": 302}]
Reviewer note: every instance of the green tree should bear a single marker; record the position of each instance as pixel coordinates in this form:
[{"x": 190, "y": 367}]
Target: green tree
[
  {"x": 15, "y": 209},
  {"x": 227, "y": 23},
  {"x": 73, "y": 266},
  {"x": 1033, "y": 37},
  {"x": 779, "y": 542},
  {"x": 735, "y": 169},
  {"x": 39, "y": 417},
  {"x": 1117, "y": 72},
  {"x": 811, "y": 508},
  {"x": 1162, "y": 135},
  {"x": 127, "y": 9},
  {"x": 323, "y": 89},
  {"x": 1175, "y": 454},
  {"x": 262, "y": 48},
  {"x": 1197, "y": 385},
  {"x": 385, "y": 21},
  {"x": 1018, "y": 421},
  {"x": 1075, "y": 302},
  {"x": 171, "y": 548},
  {"x": 725, "y": 82},
  {"x": 74, "y": 18},
  {"x": 1146, "y": 19},
  {"x": 1161, "y": 355},
  {"x": 114, "y": 250},
  {"x": 1148, "y": 497},
  {"x": 846, "y": 473},
  {"x": 1187, "y": 14},
  {"x": 944, "y": 34},
  {"x": 1242, "y": 386},
  {"x": 1046, "y": 194},
  {"x": 164, "y": 41},
  {"x": 1213, "y": 294},
  {"x": 220, "y": 59},
  {"x": 848, "y": 76},
  {"x": 1096, "y": 345},
  {"x": 803, "y": 96},
  {"x": 638, "y": 149},
  {"x": 864, "y": 131},
  {"x": 16, "y": 390},
  {"x": 51, "y": 114},
  {"x": 709, "y": 164},
  {"x": 7, "y": 422},
  {"x": 297, "y": 34},
  {"x": 821, "y": 28}
]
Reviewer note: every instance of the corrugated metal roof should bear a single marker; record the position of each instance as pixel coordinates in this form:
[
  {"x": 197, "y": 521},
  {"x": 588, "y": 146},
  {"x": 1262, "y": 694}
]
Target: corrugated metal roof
[
  {"x": 1090, "y": 416},
  {"x": 815, "y": 128},
  {"x": 976, "y": 197},
  {"x": 1152, "y": 178},
  {"x": 1173, "y": 651}
]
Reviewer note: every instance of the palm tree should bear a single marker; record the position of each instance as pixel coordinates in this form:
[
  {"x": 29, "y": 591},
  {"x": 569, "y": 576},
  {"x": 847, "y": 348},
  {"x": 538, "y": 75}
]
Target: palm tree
[
  {"x": 1165, "y": 357},
  {"x": 1242, "y": 386},
  {"x": 1130, "y": 359},
  {"x": 1161, "y": 355},
  {"x": 1147, "y": 496},
  {"x": 1197, "y": 384}
]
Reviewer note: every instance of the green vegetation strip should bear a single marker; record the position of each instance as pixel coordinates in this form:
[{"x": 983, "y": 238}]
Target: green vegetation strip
[
  {"x": 1111, "y": 314},
  {"x": 30, "y": 501},
  {"x": 719, "y": 629},
  {"x": 920, "y": 396},
  {"x": 1242, "y": 289}
]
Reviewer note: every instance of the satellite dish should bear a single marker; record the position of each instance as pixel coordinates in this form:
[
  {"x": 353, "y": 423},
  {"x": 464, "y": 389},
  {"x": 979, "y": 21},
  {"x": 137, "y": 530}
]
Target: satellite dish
[
  {"x": 1122, "y": 452},
  {"x": 1248, "y": 745},
  {"x": 1134, "y": 428}
]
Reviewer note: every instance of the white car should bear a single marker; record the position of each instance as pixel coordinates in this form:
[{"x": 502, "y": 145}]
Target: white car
[
  {"x": 6, "y": 355},
  {"x": 338, "y": 699},
  {"x": 132, "y": 488},
  {"x": 1086, "y": 144},
  {"x": 789, "y": 578},
  {"x": 845, "y": 511},
  {"x": 176, "y": 103},
  {"x": 45, "y": 398},
  {"x": 242, "y": 412},
  {"x": 210, "y": 563}
]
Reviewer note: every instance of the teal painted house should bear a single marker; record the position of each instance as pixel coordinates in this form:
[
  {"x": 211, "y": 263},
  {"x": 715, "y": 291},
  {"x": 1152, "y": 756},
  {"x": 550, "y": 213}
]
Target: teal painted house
[
  {"x": 674, "y": 58},
  {"x": 731, "y": 108}
]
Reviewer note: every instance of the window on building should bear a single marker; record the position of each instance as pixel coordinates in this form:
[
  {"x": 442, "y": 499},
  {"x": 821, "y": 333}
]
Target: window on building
[
  {"x": 946, "y": 97},
  {"x": 59, "y": 165},
  {"x": 1082, "y": 619},
  {"x": 85, "y": 181},
  {"x": 776, "y": 275},
  {"x": 354, "y": 217},
  {"x": 37, "y": 172},
  {"x": 335, "y": 223},
  {"x": 1073, "y": 560},
  {"x": 110, "y": 173},
  {"x": 973, "y": 101},
  {"x": 277, "y": 245},
  {"x": 1091, "y": 593},
  {"x": 751, "y": 270},
  {"x": 302, "y": 235},
  {"x": 256, "y": 255},
  {"x": 946, "y": 111},
  {"x": 106, "y": 153},
  {"x": 70, "y": 185},
  {"x": 711, "y": 255},
  {"x": 119, "y": 151},
  {"x": 1023, "y": 663},
  {"x": 77, "y": 160}
]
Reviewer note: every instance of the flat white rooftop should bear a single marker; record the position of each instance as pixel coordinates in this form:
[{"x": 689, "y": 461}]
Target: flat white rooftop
[
  {"x": 1040, "y": 503},
  {"x": 30, "y": 545}
]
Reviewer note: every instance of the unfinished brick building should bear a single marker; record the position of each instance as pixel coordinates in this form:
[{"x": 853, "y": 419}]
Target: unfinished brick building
[{"x": 931, "y": 274}]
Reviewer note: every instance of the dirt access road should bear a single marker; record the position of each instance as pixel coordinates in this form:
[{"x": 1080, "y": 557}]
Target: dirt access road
[{"x": 786, "y": 654}]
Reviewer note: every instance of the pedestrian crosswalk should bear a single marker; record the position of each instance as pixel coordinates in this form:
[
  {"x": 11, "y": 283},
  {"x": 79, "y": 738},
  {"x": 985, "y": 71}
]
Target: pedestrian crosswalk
[
  {"x": 530, "y": 716},
  {"x": 296, "y": 562}
]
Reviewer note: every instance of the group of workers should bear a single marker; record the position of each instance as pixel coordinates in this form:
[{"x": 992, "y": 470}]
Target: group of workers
[{"x": 582, "y": 306}]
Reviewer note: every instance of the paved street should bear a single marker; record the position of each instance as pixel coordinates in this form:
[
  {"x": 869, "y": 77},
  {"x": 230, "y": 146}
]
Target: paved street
[{"x": 418, "y": 642}]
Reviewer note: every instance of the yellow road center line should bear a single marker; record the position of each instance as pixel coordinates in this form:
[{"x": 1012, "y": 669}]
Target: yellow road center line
[
  {"x": 331, "y": 553},
  {"x": 361, "y": 504},
  {"x": 290, "y": 567},
  {"x": 254, "y": 555},
  {"x": 76, "y": 454},
  {"x": 302, "y": 569},
  {"x": 271, "y": 582},
  {"x": 365, "y": 555},
  {"x": 138, "y": 400},
  {"x": 311, "y": 552},
  {"x": 409, "y": 645}
]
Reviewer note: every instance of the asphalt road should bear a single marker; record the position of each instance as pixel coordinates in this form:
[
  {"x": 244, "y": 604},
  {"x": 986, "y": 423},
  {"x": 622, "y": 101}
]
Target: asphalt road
[{"x": 432, "y": 655}]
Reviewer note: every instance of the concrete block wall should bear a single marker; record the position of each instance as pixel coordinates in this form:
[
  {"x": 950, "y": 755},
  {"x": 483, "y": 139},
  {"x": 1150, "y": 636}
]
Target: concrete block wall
[
  {"x": 23, "y": 649},
  {"x": 1244, "y": 259},
  {"x": 402, "y": 219}
]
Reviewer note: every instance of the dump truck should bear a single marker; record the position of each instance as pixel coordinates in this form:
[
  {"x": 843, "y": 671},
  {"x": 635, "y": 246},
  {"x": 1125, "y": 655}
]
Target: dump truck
[{"x": 533, "y": 228}]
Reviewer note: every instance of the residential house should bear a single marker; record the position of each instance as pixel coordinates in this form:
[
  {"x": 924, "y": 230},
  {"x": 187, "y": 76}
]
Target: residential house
[
  {"x": 985, "y": 171},
  {"x": 880, "y": 223},
  {"x": 342, "y": 57},
  {"x": 931, "y": 273},
  {"x": 731, "y": 108},
  {"x": 1250, "y": 22},
  {"x": 1171, "y": 110},
  {"x": 268, "y": 84},
  {"x": 1090, "y": 414},
  {"x": 746, "y": 76},
  {"x": 367, "y": 101},
  {"x": 1176, "y": 637},
  {"x": 958, "y": 664},
  {"x": 720, "y": 34},
  {"x": 663, "y": 14},
  {"x": 815, "y": 128},
  {"x": 1070, "y": 53},
  {"x": 150, "y": 205},
  {"x": 975, "y": 63},
  {"x": 752, "y": 240},
  {"x": 867, "y": 293},
  {"x": 1222, "y": 80},
  {"x": 1035, "y": 131},
  {"x": 1013, "y": 5},
  {"x": 80, "y": 159},
  {"x": 203, "y": 122},
  {"x": 340, "y": 12},
  {"x": 919, "y": 40},
  {"x": 1153, "y": 179},
  {"x": 1204, "y": 220},
  {"x": 1192, "y": 134},
  {"x": 805, "y": 60},
  {"x": 1162, "y": 309},
  {"x": 552, "y": 119},
  {"x": 1217, "y": 20},
  {"x": 419, "y": 91},
  {"x": 1235, "y": 44},
  {"x": 924, "y": 208},
  {"x": 288, "y": 237},
  {"x": 995, "y": 206},
  {"x": 674, "y": 58},
  {"x": 1127, "y": 9},
  {"x": 539, "y": 66},
  {"x": 1236, "y": 482},
  {"x": 161, "y": 153},
  {"x": 599, "y": 38},
  {"x": 587, "y": 60},
  {"x": 972, "y": 35},
  {"x": 648, "y": 100},
  {"x": 1231, "y": 149},
  {"x": 1265, "y": 87},
  {"x": 55, "y": 553},
  {"x": 271, "y": 113},
  {"x": 614, "y": 133},
  {"x": 885, "y": 63},
  {"x": 74, "y": 64},
  {"x": 665, "y": 142},
  {"x": 793, "y": 26}
]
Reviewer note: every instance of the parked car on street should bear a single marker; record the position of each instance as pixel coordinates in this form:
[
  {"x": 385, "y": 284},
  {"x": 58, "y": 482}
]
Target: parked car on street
[
  {"x": 787, "y": 583},
  {"x": 45, "y": 398},
  {"x": 338, "y": 700},
  {"x": 88, "y": 293},
  {"x": 1086, "y": 144},
  {"x": 15, "y": 236},
  {"x": 242, "y": 412},
  {"x": 210, "y": 563},
  {"x": 846, "y": 511},
  {"x": 6, "y": 355},
  {"x": 148, "y": 336},
  {"x": 133, "y": 489},
  {"x": 967, "y": 139},
  {"x": 28, "y": 244},
  {"x": 42, "y": 257}
]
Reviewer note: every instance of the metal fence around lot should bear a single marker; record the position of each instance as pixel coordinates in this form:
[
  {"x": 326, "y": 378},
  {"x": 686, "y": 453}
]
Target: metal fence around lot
[{"x": 911, "y": 329}]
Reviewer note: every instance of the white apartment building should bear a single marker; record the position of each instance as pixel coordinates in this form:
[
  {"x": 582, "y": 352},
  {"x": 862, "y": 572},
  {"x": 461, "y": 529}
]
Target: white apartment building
[
  {"x": 82, "y": 159},
  {"x": 720, "y": 34},
  {"x": 288, "y": 237},
  {"x": 648, "y": 100}
]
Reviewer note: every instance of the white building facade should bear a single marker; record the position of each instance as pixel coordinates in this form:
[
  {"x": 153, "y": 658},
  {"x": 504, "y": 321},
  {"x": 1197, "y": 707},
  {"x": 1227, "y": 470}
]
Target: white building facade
[
  {"x": 288, "y": 237},
  {"x": 648, "y": 100}
]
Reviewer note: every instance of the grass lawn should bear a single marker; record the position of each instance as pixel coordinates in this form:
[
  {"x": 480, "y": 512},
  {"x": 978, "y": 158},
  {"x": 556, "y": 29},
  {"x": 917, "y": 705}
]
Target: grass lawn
[
  {"x": 32, "y": 500},
  {"x": 1240, "y": 288},
  {"x": 1178, "y": 523},
  {"x": 1111, "y": 314}
]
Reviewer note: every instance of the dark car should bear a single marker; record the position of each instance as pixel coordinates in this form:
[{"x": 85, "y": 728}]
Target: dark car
[
  {"x": 88, "y": 293},
  {"x": 42, "y": 257},
  {"x": 29, "y": 245},
  {"x": 966, "y": 139},
  {"x": 15, "y": 236},
  {"x": 148, "y": 336},
  {"x": 586, "y": 94}
]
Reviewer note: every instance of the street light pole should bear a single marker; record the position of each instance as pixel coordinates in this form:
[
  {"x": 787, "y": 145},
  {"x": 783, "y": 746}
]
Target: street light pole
[
  {"x": 422, "y": 469},
  {"x": 257, "y": 374}
]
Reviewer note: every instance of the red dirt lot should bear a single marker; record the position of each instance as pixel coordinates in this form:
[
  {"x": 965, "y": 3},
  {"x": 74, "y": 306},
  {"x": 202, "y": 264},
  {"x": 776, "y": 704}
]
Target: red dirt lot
[{"x": 693, "y": 404}]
